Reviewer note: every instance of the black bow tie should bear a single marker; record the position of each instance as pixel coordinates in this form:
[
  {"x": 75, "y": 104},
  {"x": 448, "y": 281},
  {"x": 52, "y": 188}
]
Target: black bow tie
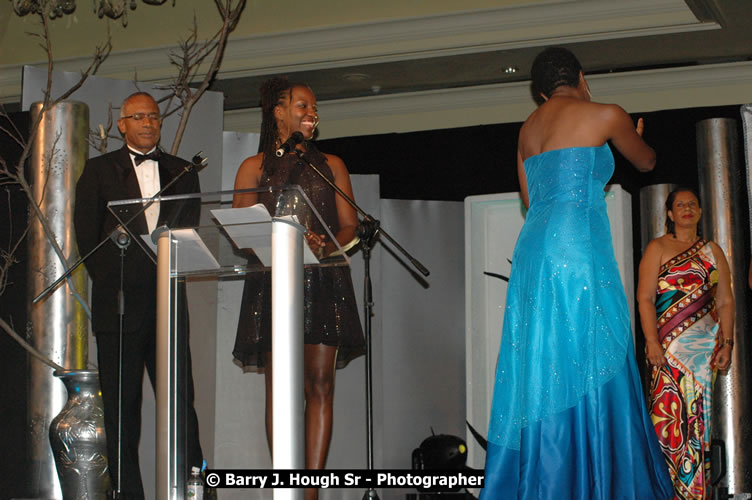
[{"x": 138, "y": 159}]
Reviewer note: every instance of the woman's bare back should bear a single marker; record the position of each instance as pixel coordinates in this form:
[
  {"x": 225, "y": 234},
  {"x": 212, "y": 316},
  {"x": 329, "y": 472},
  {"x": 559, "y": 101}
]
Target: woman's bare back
[{"x": 563, "y": 122}]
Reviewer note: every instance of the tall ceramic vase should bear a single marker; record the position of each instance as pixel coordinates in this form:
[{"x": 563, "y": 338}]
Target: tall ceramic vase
[{"x": 78, "y": 440}]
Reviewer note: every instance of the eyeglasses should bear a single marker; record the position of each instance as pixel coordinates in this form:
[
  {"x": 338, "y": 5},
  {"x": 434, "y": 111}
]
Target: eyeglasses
[{"x": 155, "y": 117}]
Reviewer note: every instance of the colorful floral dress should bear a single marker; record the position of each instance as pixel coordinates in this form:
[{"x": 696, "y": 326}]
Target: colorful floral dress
[{"x": 681, "y": 391}]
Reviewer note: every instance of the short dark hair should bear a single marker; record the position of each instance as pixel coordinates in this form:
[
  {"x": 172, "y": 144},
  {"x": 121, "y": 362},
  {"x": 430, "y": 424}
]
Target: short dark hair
[
  {"x": 140, "y": 93},
  {"x": 670, "y": 227},
  {"x": 553, "y": 68}
]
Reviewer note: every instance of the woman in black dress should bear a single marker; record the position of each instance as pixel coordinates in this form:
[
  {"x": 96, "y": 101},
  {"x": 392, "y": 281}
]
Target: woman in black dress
[{"x": 332, "y": 329}]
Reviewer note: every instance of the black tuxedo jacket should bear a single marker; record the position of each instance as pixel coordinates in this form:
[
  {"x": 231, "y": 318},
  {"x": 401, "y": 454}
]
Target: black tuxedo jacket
[{"x": 112, "y": 177}]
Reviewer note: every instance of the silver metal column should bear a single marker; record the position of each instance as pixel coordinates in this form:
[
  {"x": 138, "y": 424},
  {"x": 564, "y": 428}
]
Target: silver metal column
[
  {"x": 170, "y": 469},
  {"x": 59, "y": 325},
  {"x": 653, "y": 211},
  {"x": 746, "y": 112},
  {"x": 723, "y": 222},
  {"x": 652, "y": 225},
  {"x": 287, "y": 351}
]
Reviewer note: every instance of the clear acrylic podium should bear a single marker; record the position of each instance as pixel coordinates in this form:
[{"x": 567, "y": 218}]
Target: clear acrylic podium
[{"x": 201, "y": 235}]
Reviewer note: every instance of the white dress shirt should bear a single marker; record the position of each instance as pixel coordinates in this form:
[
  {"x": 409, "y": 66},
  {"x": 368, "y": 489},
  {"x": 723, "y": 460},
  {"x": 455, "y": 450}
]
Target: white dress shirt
[{"x": 147, "y": 174}]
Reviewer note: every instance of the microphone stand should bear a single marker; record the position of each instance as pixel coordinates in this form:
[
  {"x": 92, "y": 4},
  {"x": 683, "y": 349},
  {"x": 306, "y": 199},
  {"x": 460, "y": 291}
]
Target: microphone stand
[
  {"x": 123, "y": 241},
  {"x": 198, "y": 160},
  {"x": 368, "y": 230},
  {"x": 367, "y": 217}
]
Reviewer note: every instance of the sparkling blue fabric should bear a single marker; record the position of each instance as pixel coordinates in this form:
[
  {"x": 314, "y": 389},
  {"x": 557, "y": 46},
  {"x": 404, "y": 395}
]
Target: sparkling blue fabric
[{"x": 568, "y": 418}]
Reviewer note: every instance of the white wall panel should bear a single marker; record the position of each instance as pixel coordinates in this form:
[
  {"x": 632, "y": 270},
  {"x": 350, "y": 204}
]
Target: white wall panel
[{"x": 423, "y": 362}]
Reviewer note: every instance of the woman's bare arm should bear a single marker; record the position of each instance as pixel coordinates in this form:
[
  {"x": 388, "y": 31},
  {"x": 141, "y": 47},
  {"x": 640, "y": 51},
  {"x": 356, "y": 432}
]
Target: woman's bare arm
[
  {"x": 725, "y": 307},
  {"x": 247, "y": 177},
  {"x": 650, "y": 266},
  {"x": 627, "y": 138},
  {"x": 523, "y": 180}
]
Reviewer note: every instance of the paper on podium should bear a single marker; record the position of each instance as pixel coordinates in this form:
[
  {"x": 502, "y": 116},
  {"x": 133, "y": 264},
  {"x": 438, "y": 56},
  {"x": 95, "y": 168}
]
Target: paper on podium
[
  {"x": 250, "y": 228},
  {"x": 192, "y": 252}
]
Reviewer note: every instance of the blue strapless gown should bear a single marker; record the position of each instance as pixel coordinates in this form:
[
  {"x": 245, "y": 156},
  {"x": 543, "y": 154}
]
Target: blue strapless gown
[{"x": 568, "y": 419}]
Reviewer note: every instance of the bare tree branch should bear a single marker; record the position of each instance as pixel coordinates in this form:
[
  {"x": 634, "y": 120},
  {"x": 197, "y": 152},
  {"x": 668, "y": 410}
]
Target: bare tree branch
[
  {"x": 8, "y": 256},
  {"x": 14, "y": 174},
  {"x": 98, "y": 139},
  {"x": 48, "y": 51},
  {"x": 22, "y": 342},
  {"x": 193, "y": 55},
  {"x": 13, "y": 132},
  {"x": 101, "y": 53},
  {"x": 11, "y": 135}
]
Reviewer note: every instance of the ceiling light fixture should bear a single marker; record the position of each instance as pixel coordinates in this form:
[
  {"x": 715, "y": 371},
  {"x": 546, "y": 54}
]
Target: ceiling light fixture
[
  {"x": 355, "y": 77},
  {"x": 510, "y": 70}
]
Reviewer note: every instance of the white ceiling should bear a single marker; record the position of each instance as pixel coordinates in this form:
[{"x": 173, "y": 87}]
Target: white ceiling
[{"x": 476, "y": 47}]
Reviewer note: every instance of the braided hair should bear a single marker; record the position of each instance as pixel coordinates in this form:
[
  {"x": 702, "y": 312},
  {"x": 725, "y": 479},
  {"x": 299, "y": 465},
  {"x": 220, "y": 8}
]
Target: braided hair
[
  {"x": 553, "y": 68},
  {"x": 670, "y": 226},
  {"x": 274, "y": 91}
]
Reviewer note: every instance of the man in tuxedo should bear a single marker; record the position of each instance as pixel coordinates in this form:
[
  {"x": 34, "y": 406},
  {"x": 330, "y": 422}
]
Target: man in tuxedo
[{"x": 138, "y": 170}]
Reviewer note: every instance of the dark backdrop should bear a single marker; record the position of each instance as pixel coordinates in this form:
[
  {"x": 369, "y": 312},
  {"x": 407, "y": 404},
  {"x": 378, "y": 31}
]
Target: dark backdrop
[
  {"x": 451, "y": 164},
  {"x": 14, "y": 362}
]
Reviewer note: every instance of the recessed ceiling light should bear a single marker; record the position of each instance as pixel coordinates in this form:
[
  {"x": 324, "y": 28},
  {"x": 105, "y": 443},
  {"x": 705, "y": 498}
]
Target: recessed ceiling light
[
  {"x": 355, "y": 77},
  {"x": 510, "y": 70}
]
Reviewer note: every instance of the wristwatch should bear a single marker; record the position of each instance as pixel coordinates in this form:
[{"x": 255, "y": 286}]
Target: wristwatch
[{"x": 723, "y": 342}]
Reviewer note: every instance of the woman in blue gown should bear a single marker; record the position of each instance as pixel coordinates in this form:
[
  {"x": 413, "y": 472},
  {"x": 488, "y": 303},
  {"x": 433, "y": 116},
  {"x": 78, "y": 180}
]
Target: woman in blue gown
[{"x": 568, "y": 419}]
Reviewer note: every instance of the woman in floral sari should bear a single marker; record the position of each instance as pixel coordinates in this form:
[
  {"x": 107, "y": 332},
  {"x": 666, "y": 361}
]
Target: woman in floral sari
[{"x": 687, "y": 315}]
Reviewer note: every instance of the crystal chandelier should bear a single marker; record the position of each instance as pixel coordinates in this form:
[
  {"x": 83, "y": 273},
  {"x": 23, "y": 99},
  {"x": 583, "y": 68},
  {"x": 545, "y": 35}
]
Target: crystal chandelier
[{"x": 113, "y": 9}]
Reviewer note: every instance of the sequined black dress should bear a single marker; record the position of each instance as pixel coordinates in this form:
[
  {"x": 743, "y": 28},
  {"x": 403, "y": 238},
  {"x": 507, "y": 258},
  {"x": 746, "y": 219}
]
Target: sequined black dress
[{"x": 330, "y": 313}]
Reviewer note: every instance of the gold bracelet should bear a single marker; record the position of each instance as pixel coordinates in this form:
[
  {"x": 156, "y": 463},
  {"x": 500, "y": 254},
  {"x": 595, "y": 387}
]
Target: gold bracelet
[{"x": 724, "y": 342}]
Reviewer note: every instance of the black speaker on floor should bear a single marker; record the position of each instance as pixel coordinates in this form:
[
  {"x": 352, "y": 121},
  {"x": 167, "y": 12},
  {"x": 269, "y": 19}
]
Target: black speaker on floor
[{"x": 440, "y": 453}]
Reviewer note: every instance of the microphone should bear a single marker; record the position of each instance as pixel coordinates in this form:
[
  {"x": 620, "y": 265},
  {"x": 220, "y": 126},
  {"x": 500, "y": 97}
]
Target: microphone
[
  {"x": 199, "y": 161},
  {"x": 295, "y": 139}
]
